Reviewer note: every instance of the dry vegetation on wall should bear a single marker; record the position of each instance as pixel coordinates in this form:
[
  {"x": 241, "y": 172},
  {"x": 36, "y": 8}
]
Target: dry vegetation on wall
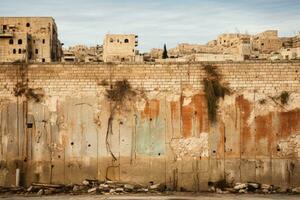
[
  {"x": 117, "y": 94},
  {"x": 281, "y": 100},
  {"x": 22, "y": 89},
  {"x": 214, "y": 90}
]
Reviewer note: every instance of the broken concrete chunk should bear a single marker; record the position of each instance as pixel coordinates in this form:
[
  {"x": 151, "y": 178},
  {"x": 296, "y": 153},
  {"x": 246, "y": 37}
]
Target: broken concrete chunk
[
  {"x": 40, "y": 192},
  {"x": 76, "y": 188},
  {"x": 85, "y": 182},
  {"x": 92, "y": 190},
  {"x": 239, "y": 186},
  {"x": 119, "y": 190},
  {"x": 296, "y": 190},
  {"x": 30, "y": 189},
  {"x": 128, "y": 186}
]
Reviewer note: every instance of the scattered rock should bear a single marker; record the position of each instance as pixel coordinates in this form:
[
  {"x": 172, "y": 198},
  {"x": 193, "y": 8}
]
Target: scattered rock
[
  {"x": 40, "y": 192},
  {"x": 239, "y": 186},
  {"x": 92, "y": 190},
  {"x": 85, "y": 182},
  {"x": 296, "y": 190},
  {"x": 119, "y": 190}
]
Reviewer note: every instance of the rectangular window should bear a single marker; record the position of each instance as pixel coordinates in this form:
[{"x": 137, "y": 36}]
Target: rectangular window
[
  {"x": 43, "y": 41},
  {"x": 36, "y": 51}
]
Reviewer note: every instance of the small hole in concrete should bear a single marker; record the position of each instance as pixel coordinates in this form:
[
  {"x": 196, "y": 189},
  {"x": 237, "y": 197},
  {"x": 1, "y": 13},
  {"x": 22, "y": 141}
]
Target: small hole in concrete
[
  {"x": 121, "y": 122},
  {"x": 58, "y": 156},
  {"x": 150, "y": 119},
  {"x": 159, "y": 154},
  {"x": 25, "y": 159},
  {"x": 52, "y": 166},
  {"x": 89, "y": 145},
  {"x": 214, "y": 151},
  {"x": 72, "y": 143}
]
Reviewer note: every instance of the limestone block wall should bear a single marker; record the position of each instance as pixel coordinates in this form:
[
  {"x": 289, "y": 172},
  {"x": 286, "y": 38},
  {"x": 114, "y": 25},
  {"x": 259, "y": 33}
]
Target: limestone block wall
[{"x": 161, "y": 134}]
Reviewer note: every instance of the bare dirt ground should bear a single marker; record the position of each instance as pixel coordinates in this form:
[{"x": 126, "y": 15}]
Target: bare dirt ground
[{"x": 180, "y": 196}]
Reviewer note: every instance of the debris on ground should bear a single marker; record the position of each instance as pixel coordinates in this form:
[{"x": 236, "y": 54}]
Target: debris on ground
[
  {"x": 249, "y": 187},
  {"x": 86, "y": 187},
  {"x": 93, "y": 187}
]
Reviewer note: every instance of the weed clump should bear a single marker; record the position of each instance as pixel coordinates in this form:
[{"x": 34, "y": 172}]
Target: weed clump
[
  {"x": 284, "y": 97},
  {"x": 214, "y": 90},
  {"x": 22, "y": 89},
  {"x": 120, "y": 91}
]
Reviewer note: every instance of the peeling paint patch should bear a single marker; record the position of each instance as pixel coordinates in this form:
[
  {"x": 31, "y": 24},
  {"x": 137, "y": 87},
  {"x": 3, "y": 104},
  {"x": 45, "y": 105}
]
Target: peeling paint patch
[{"x": 191, "y": 147}]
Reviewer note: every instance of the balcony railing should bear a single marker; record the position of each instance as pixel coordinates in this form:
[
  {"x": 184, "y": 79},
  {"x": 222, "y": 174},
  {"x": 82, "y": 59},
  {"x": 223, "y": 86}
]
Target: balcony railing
[{"x": 6, "y": 34}]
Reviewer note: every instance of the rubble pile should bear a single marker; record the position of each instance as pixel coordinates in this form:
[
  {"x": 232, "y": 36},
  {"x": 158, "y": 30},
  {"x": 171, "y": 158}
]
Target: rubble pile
[
  {"x": 86, "y": 187},
  {"x": 222, "y": 187}
]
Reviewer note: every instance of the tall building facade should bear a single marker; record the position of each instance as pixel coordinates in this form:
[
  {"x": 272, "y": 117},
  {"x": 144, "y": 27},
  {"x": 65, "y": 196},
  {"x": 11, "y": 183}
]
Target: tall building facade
[
  {"x": 120, "y": 47},
  {"x": 29, "y": 39}
]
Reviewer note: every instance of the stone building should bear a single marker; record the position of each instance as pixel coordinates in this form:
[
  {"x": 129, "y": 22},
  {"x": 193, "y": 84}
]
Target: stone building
[
  {"x": 266, "y": 42},
  {"x": 82, "y": 53},
  {"x": 29, "y": 39},
  {"x": 120, "y": 47}
]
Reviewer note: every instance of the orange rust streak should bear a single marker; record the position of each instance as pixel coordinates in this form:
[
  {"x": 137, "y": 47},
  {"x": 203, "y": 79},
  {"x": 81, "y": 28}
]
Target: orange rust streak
[
  {"x": 187, "y": 120},
  {"x": 174, "y": 110},
  {"x": 264, "y": 132},
  {"x": 151, "y": 109},
  {"x": 245, "y": 109},
  {"x": 289, "y": 122},
  {"x": 201, "y": 112}
]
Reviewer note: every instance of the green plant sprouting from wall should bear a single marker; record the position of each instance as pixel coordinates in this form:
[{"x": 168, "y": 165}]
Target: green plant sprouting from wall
[
  {"x": 214, "y": 90},
  {"x": 118, "y": 93}
]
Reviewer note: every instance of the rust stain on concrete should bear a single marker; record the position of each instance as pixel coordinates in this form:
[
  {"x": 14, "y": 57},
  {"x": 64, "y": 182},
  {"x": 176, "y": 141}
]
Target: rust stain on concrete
[
  {"x": 199, "y": 102},
  {"x": 264, "y": 134},
  {"x": 247, "y": 149},
  {"x": 151, "y": 109},
  {"x": 289, "y": 122},
  {"x": 186, "y": 117}
]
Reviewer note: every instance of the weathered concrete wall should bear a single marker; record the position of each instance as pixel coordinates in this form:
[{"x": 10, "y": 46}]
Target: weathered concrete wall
[{"x": 162, "y": 134}]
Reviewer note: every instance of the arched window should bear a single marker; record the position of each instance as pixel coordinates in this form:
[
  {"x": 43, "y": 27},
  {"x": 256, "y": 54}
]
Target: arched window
[
  {"x": 14, "y": 51},
  {"x": 11, "y": 41},
  {"x": 111, "y": 40},
  {"x": 20, "y": 51},
  {"x": 27, "y": 24},
  {"x": 20, "y": 41},
  {"x": 126, "y": 40}
]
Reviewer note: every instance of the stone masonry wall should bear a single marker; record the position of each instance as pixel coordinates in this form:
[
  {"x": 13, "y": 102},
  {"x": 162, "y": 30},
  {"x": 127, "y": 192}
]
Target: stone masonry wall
[{"x": 162, "y": 134}]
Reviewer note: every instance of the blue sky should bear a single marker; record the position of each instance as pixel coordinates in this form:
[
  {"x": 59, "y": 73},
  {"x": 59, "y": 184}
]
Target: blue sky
[{"x": 159, "y": 21}]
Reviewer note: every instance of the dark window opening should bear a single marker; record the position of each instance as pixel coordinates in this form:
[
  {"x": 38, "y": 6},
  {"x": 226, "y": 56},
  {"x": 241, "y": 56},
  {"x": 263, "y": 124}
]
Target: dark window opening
[
  {"x": 126, "y": 40},
  {"x": 20, "y": 41},
  {"x": 4, "y": 27},
  {"x": 29, "y": 125},
  {"x": 14, "y": 51},
  {"x": 43, "y": 60},
  {"x": 43, "y": 41},
  {"x": 20, "y": 51},
  {"x": 11, "y": 41},
  {"x": 27, "y": 24},
  {"x": 262, "y": 44},
  {"x": 111, "y": 40},
  {"x": 36, "y": 51}
]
